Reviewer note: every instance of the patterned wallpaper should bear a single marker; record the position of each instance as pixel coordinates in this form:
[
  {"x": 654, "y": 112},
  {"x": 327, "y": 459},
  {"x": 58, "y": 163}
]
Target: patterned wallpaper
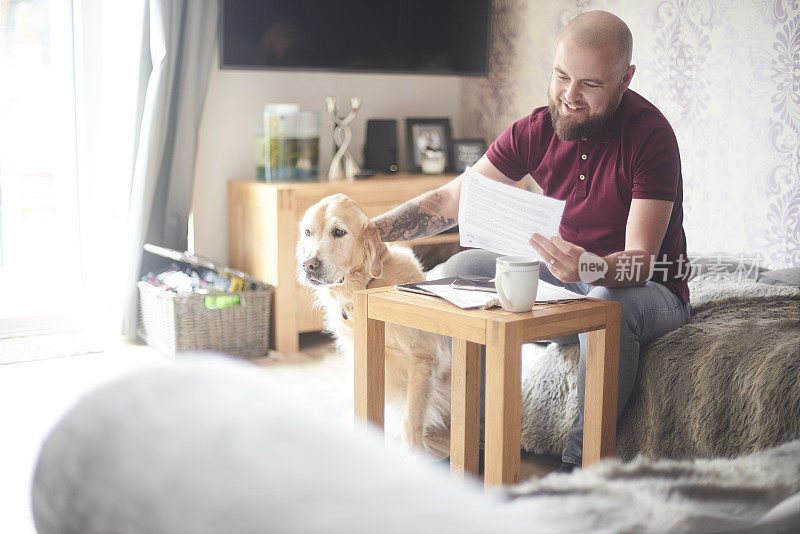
[{"x": 725, "y": 73}]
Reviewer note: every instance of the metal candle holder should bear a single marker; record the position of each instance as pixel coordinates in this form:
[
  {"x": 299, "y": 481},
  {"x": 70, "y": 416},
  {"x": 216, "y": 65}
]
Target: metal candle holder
[{"x": 342, "y": 137}]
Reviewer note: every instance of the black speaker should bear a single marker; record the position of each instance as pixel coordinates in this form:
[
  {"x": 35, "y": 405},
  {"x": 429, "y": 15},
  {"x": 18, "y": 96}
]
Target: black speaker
[{"x": 380, "y": 146}]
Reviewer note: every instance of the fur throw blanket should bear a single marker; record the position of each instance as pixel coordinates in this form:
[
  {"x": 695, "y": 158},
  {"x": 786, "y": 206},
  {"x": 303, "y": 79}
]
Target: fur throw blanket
[
  {"x": 664, "y": 496},
  {"x": 725, "y": 384}
]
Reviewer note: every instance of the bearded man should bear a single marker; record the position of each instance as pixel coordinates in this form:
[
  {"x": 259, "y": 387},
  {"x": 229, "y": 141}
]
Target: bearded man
[{"x": 613, "y": 157}]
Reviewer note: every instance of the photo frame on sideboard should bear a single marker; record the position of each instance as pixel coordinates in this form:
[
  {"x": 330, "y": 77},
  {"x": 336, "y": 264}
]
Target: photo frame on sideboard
[
  {"x": 466, "y": 152},
  {"x": 427, "y": 132}
]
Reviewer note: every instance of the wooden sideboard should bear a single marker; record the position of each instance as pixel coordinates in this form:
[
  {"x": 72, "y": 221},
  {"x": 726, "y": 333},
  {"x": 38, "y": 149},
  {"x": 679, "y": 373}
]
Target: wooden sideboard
[{"x": 263, "y": 218}]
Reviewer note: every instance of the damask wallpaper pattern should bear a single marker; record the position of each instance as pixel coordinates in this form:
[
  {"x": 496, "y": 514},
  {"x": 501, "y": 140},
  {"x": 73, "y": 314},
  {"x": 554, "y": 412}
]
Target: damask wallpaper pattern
[{"x": 726, "y": 73}]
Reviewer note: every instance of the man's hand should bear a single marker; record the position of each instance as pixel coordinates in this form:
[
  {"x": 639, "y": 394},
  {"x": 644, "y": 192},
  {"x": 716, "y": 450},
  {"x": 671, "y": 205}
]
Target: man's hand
[
  {"x": 560, "y": 255},
  {"x": 644, "y": 232},
  {"x": 623, "y": 269}
]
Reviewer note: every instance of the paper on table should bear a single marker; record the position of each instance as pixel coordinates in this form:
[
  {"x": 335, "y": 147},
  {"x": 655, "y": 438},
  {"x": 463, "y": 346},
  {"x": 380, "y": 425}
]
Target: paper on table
[
  {"x": 546, "y": 292},
  {"x": 502, "y": 218},
  {"x": 463, "y": 298},
  {"x": 469, "y": 300}
]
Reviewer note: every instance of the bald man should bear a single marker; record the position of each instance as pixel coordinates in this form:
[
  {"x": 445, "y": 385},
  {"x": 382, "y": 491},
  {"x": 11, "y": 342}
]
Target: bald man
[{"x": 613, "y": 157}]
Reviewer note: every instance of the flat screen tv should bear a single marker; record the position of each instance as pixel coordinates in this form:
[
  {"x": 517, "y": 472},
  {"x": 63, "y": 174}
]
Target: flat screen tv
[{"x": 402, "y": 36}]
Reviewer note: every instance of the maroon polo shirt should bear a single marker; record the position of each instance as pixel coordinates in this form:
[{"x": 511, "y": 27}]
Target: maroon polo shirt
[{"x": 634, "y": 156}]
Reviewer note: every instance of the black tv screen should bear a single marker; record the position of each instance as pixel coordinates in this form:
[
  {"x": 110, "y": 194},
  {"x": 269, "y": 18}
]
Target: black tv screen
[{"x": 403, "y": 36}]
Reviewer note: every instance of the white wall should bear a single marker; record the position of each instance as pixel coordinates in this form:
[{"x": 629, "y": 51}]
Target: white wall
[{"x": 226, "y": 140}]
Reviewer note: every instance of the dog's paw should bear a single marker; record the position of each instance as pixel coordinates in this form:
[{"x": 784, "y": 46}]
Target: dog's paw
[
  {"x": 416, "y": 454},
  {"x": 409, "y": 452}
]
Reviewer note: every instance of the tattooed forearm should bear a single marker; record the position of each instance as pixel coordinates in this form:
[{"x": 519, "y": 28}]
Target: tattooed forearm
[{"x": 419, "y": 217}]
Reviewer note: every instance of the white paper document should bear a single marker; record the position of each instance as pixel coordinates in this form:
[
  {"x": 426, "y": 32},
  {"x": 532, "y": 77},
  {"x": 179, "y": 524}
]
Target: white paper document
[
  {"x": 469, "y": 300},
  {"x": 502, "y": 218},
  {"x": 463, "y": 298},
  {"x": 549, "y": 293}
]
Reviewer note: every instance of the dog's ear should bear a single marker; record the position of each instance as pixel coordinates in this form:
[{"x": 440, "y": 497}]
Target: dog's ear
[{"x": 375, "y": 250}]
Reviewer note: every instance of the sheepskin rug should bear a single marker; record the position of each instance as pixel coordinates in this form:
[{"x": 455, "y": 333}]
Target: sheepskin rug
[
  {"x": 725, "y": 384},
  {"x": 663, "y": 496}
]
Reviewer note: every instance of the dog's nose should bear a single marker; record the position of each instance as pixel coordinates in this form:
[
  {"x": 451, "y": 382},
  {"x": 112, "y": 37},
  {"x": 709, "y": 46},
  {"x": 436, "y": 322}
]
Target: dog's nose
[{"x": 311, "y": 264}]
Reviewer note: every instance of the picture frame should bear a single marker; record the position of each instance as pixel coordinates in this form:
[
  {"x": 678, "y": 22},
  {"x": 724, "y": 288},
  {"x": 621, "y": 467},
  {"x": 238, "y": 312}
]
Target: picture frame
[
  {"x": 422, "y": 132},
  {"x": 466, "y": 152}
]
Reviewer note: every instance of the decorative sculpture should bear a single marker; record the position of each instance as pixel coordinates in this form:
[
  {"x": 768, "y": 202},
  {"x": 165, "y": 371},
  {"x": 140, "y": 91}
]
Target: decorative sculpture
[{"x": 342, "y": 137}]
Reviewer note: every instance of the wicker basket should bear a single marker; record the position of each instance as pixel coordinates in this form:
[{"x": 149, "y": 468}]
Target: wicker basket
[{"x": 174, "y": 322}]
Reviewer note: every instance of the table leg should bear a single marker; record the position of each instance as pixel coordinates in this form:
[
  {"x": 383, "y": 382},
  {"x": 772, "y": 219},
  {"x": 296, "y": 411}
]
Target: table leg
[
  {"x": 503, "y": 399},
  {"x": 369, "y": 340},
  {"x": 600, "y": 405},
  {"x": 465, "y": 407}
]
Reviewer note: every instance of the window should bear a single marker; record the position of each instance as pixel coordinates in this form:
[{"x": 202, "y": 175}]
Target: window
[{"x": 40, "y": 260}]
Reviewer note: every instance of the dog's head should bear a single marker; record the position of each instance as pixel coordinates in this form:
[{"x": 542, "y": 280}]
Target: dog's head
[{"x": 336, "y": 239}]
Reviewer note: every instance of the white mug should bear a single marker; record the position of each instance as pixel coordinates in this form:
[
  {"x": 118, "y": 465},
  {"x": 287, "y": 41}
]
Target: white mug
[{"x": 516, "y": 279}]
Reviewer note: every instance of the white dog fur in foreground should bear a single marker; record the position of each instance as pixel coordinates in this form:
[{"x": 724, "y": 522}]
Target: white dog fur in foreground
[{"x": 340, "y": 251}]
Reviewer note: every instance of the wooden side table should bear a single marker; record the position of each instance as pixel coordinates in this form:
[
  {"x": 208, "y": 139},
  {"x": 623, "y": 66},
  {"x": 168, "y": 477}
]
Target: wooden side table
[{"x": 502, "y": 333}]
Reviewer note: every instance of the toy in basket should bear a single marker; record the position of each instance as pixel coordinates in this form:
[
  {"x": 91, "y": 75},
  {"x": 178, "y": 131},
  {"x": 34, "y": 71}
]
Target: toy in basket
[{"x": 216, "y": 308}]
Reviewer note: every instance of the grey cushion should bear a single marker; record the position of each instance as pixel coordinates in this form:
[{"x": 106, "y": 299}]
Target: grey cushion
[
  {"x": 787, "y": 511},
  {"x": 789, "y": 276},
  {"x": 725, "y": 265}
]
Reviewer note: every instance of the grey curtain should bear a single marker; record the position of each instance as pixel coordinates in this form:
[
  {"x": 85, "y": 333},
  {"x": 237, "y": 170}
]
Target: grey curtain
[{"x": 178, "y": 46}]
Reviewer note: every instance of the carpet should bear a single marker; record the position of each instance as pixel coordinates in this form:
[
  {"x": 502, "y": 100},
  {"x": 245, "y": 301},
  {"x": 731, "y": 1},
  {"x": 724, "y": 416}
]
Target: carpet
[
  {"x": 324, "y": 378},
  {"x": 43, "y": 347}
]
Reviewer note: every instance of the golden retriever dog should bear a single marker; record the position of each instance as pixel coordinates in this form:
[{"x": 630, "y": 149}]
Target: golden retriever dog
[{"x": 340, "y": 251}]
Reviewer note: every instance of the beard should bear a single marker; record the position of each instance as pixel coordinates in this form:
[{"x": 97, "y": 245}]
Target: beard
[{"x": 569, "y": 130}]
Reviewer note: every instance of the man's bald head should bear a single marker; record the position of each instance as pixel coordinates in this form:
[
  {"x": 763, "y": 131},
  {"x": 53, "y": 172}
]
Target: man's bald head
[{"x": 601, "y": 29}]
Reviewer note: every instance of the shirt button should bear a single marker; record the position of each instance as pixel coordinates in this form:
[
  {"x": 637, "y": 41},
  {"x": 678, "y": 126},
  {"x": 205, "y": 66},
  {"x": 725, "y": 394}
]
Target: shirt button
[
  {"x": 583, "y": 156},
  {"x": 583, "y": 177}
]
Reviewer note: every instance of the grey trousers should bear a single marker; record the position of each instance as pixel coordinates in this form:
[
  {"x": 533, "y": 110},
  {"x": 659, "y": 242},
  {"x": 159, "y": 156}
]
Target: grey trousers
[{"x": 648, "y": 312}]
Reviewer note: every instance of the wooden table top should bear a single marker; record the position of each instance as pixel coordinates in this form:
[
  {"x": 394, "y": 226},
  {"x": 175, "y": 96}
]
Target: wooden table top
[{"x": 435, "y": 314}]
